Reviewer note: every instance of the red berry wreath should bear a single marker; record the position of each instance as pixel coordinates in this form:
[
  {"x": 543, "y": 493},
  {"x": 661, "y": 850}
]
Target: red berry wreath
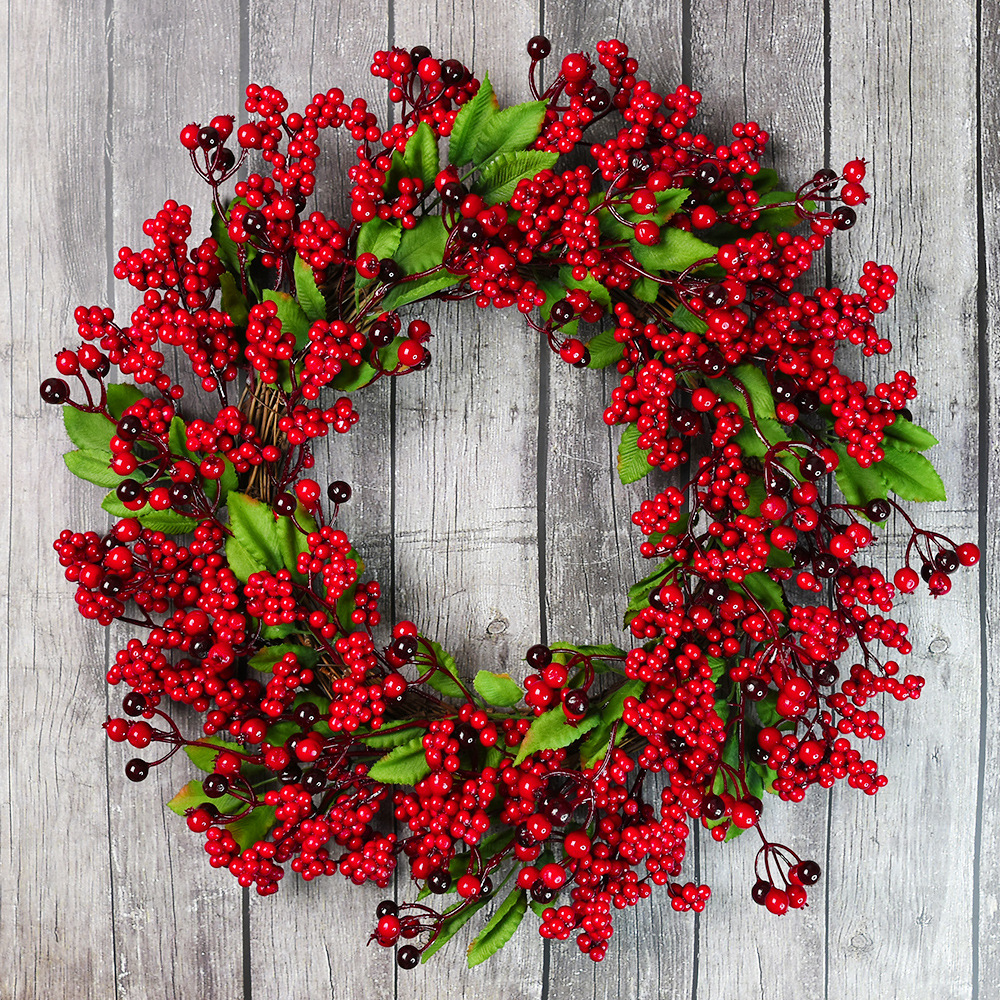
[{"x": 574, "y": 792}]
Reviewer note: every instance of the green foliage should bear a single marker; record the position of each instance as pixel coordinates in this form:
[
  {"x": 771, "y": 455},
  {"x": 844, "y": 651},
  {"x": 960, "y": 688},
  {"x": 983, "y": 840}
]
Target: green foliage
[
  {"x": 405, "y": 765},
  {"x": 193, "y": 795},
  {"x": 93, "y": 465},
  {"x": 604, "y": 350},
  {"x": 265, "y": 659},
  {"x": 307, "y": 292},
  {"x": 379, "y": 740},
  {"x": 262, "y": 541},
  {"x": 911, "y": 476},
  {"x": 500, "y": 928},
  {"x": 293, "y": 318},
  {"x": 497, "y": 689},
  {"x": 94, "y": 431},
  {"x": 633, "y": 462},
  {"x": 551, "y": 731},
  {"x": 203, "y": 757},
  {"x": 167, "y": 521},
  {"x": 677, "y": 251},
  {"x": 469, "y": 123},
  {"x": 755, "y": 383},
  {"x": 421, "y": 156},
  {"x": 907, "y": 436},
  {"x": 443, "y": 681},
  {"x": 253, "y": 827},
  {"x": 510, "y": 130},
  {"x": 504, "y": 172},
  {"x": 859, "y": 485},
  {"x": 596, "y": 745}
]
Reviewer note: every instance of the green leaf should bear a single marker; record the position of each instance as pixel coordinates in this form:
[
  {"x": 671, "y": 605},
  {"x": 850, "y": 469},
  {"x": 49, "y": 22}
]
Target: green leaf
[
  {"x": 597, "y": 292},
  {"x": 193, "y": 795},
  {"x": 601, "y": 657},
  {"x": 379, "y": 237},
  {"x": 422, "y": 247},
  {"x": 596, "y": 745},
  {"x": 676, "y": 251},
  {"x": 749, "y": 440},
  {"x": 378, "y": 740},
  {"x": 632, "y": 460},
  {"x": 443, "y": 681},
  {"x": 768, "y": 593},
  {"x": 686, "y": 320},
  {"x": 469, "y": 124},
  {"x": 92, "y": 465},
  {"x": 604, "y": 350},
  {"x": 552, "y": 731},
  {"x": 252, "y": 526},
  {"x": 754, "y": 381},
  {"x": 420, "y": 158},
  {"x": 227, "y": 251},
  {"x": 256, "y": 826},
  {"x": 500, "y": 928},
  {"x": 170, "y": 522},
  {"x": 765, "y": 180},
  {"x": 776, "y": 219},
  {"x": 203, "y": 757},
  {"x": 452, "y": 926},
  {"x": 290, "y": 313},
  {"x": 497, "y": 689},
  {"x": 94, "y": 431},
  {"x": 291, "y": 542},
  {"x": 645, "y": 289},
  {"x": 911, "y": 476},
  {"x": 907, "y": 436},
  {"x": 514, "y": 128},
  {"x": 421, "y": 288},
  {"x": 406, "y": 765},
  {"x": 504, "y": 172},
  {"x": 859, "y": 485},
  {"x": 265, "y": 659},
  {"x": 307, "y": 292},
  {"x": 638, "y": 593},
  {"x": 234, "y": 302}
]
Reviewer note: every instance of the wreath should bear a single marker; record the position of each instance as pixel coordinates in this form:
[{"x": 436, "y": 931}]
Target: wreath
[{"x": 575, "y": 790}]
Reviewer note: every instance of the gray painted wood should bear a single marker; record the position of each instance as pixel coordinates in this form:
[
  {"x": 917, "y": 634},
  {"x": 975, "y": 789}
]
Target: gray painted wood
[
  {"x": 302, "y": 48},
  {"x": 56, "y": 916},
  {"x": 113, "y": 897},
  {"x": 158, "y": 868},
  {"x": 763, "y": 62},
  {"x": 906, "y": 881}
]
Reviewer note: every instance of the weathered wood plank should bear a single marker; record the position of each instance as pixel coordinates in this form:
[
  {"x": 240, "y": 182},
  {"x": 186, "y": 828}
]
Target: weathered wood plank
[
  {"x": 591, "y": 549},
  {"x": 466, "y": 491},
  {"x": 178, "y": 922},
  {"x": 764, "y": 63},
  {"x": 56, "y": 930},
  {"x": 986, "y": 902},
  {"x": 903, "y": 94},
  {"x": 310, "y": 938}
]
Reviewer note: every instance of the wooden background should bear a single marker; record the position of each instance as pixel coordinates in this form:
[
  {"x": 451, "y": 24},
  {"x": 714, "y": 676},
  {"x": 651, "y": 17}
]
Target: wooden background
[{"x": 484, "y": 493}]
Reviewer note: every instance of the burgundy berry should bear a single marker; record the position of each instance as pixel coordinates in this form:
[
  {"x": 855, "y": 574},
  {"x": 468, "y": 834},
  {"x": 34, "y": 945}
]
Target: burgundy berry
[
  {"x": 54, "y": 390},
  {"x": 339, "y": 492}
]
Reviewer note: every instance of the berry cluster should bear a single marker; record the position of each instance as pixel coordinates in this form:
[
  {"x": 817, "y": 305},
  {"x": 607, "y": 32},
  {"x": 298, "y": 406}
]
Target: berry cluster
[{"x": 331, "y": 742}]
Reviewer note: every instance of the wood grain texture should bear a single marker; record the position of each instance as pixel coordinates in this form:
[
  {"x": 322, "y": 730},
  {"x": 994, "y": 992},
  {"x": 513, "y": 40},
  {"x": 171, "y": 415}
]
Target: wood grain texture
[
  {"x": 763, "y": 62},
  {"x": 591, "y": 548},
  {"x": 915, "y": 65},
  {"x": 466, "y": 493},
  {"x": 986, "y": 901},
  {"x": 164, "y": 74},
  {"x": 56, "y": 915},
  {"x": 103, "y": 893},
  {"x": 309, "y": 937}
]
